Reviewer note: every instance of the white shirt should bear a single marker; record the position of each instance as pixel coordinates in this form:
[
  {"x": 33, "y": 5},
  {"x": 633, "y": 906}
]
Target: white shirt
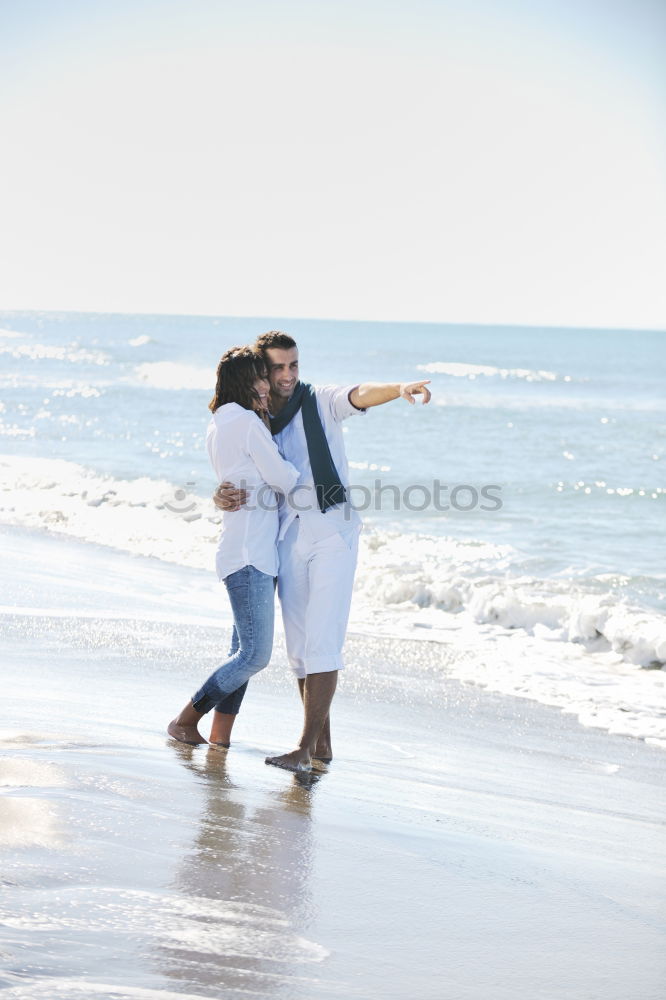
[
  {"x": 243, "y": 452},
  {"x": 334, "y": 407}
]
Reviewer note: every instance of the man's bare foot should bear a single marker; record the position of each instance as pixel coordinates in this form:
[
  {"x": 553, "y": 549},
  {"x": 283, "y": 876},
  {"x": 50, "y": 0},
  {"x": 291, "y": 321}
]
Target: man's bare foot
[
  {"x": 218, "y": 743},
  {"x": 297, "y": 760},
  {"x": 185, "y": 734}
]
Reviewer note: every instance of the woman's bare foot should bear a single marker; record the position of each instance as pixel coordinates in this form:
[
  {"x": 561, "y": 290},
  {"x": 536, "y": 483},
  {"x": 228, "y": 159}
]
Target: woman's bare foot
[
  {"x": 297, "y": 760},
  {"x": 184, "y": 727}
]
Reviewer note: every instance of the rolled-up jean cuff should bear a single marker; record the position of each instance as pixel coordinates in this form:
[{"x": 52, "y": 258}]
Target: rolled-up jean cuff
[
  {"x": 231, "y": 703},
  {"x": 205, "y": 703}
]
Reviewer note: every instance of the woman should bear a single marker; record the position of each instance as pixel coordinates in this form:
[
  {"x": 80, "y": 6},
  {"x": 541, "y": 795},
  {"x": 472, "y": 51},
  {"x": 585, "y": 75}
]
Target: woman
[{"x": 243, "y": 452}]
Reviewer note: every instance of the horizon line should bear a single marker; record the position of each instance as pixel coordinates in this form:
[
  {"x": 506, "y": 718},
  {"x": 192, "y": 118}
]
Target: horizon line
[{"x": 327, "y": 319}]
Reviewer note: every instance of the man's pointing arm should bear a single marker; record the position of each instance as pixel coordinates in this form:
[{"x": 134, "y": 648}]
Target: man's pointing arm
[{"x": 375, "y": 393}]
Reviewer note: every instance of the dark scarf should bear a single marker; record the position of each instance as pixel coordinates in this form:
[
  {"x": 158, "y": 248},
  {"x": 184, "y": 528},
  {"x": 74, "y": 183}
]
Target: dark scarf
[{"x": 330, "y": 490}]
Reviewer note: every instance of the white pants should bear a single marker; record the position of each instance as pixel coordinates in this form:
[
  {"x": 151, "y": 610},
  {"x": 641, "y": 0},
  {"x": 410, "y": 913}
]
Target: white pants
[{"x": 315, "y": 581}]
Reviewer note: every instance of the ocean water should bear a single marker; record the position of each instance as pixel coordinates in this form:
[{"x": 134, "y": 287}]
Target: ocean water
[{"x": 519, "y": 518}]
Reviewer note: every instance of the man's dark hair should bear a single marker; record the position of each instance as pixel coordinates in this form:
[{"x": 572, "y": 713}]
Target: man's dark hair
[
  {"x": 237, "y": 371},
  {"x": 274, "y": 338}
]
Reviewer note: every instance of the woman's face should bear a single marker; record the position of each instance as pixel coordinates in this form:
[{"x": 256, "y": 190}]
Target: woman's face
[{"x": 261, "y": 386}]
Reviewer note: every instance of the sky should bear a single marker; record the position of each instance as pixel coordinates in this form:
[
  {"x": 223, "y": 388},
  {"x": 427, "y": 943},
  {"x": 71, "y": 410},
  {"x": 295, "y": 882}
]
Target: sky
[{"x": 480, "y": 161}]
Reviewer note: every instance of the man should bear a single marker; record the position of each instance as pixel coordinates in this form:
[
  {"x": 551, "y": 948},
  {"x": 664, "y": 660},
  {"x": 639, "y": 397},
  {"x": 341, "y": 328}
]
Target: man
[{"x": 319, "y": 529}]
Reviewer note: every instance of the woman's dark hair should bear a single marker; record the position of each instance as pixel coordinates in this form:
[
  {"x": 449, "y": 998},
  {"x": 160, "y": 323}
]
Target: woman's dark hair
[{"x": 237, "y": 372}]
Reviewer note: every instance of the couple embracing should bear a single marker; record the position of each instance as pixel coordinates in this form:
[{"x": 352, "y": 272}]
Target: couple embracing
[{"x": 276, "y": 445}]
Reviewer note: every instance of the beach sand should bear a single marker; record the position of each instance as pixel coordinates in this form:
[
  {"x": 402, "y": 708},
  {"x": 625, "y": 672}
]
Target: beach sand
[{"x": 461, "y": 845}]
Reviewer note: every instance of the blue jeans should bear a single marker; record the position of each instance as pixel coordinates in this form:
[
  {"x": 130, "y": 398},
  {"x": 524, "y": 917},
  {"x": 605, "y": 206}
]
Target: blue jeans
[
  {"x": 231, "y": 703},
  {"x": 252, "y": 598}
]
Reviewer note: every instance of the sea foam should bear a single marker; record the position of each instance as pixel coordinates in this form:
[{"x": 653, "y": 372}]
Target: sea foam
[
  {"x": 172, "y": 375},
  {"x": 71, "y": 353},
  {"x": 575, "y": 642},
  {"x": 403, "y": 572},
  {"x": 457, "y": 369}
]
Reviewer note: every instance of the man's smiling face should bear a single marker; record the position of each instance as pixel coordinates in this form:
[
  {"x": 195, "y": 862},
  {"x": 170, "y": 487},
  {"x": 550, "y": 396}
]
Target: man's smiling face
[{"x": 282, "y": 367}]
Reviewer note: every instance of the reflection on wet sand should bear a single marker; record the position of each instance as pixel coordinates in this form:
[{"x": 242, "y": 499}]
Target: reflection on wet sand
[
  {"x": 246, "y": 883},
  {"x": 28, "y": 821}
]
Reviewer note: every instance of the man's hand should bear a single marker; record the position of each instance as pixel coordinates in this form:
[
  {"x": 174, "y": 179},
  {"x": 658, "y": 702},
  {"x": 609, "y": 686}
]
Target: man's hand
[
  {"x": 229, "y": 497},
  {"x": 410, "y": 389}
]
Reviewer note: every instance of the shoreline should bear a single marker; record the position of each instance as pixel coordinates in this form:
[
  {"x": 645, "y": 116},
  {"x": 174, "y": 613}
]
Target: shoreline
[{"x": 586, "y": 680}]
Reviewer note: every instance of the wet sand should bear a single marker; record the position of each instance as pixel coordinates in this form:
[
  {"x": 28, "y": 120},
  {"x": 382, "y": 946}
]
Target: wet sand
[{"x": 461, "y": 845}]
